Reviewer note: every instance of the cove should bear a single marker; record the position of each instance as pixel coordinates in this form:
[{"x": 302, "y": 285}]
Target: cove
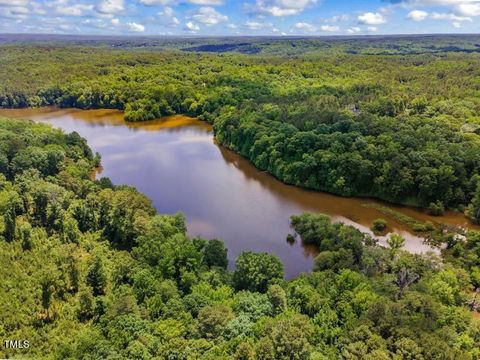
[{"x": 176, "y": 162}]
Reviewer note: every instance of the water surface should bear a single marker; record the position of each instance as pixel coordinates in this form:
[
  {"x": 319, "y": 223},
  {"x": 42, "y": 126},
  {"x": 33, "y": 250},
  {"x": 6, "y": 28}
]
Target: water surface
[{"x": 176, "y": 163}]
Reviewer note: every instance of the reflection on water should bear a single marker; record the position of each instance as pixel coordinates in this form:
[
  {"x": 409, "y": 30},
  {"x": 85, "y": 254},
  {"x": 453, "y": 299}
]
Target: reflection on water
[{"x": 177, "y": 164}]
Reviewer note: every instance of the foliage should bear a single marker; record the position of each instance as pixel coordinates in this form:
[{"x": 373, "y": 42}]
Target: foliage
[
  {"x": 255, "y": 272},
  {"x": 91, "y": 271},
  {"x": 347, "y": 117},
  {"x": 138, "y": 287},
  {"x": 379, "y": 226}
]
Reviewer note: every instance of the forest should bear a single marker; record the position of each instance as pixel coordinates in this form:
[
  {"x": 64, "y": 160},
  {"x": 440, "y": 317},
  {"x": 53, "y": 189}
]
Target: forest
[
  {"x": 336, "y": 116},
  {"x": 91, "y": 271},
  {"x": 95, "y": 273}
]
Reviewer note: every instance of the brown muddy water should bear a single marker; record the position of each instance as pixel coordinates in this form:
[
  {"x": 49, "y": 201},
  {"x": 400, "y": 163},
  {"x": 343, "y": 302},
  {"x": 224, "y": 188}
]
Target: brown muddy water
[{"x": 176, "y": 163}]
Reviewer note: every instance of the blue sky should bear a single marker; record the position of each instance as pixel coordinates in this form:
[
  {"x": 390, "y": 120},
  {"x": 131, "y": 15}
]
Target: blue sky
[{"x": 249, "y": 17}]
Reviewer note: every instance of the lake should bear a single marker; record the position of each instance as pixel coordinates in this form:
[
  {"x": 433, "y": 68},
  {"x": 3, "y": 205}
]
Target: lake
[{"x": 176, "y": 162}]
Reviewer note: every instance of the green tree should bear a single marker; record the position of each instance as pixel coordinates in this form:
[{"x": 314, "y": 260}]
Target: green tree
[
  {"x": 47, "y": 284},
  {"x": 256, "y": 271},
  {"x": 290, "y": 337},
  {"x": 244, "y": 351},
  {"x": 86, "y": 304},
  {"x": 473, "y": 210},
  {"x": 278, "y": 298},
  {"x": 379, "y": 226},
  {"x": 213, "y": 319},
  {"x": 97, "y": 276},
  {"x": 395, "y": 242},
  {"x": 215, "y": 254}
]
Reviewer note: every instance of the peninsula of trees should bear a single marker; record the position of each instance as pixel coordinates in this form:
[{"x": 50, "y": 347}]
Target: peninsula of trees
[
  {"x": 90, "y": 270},
  {"x": 394, "y": 118}
]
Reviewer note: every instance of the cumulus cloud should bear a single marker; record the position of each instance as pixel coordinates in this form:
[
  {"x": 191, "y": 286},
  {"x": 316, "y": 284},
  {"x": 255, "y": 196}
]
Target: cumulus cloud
[
  {"x": 469, "y": 9},
  {"x": 167, "y": 17},
  {"x": 73, "y": 10},
  {"x": 14, "y": 9},
  {"x": 206, "y": 2},
  {"x": 109, "y": 7},
  {"x": 338, "y": 18},
  {"x": 173, "y": 2},
  {"x": 283, "y": 7},
  {"x": 14, "y": 12},
  {"x": 116, "y": 16},
  {"x": 303, "y": 26},
  {"x": 461, "y": 11},
  {"x": 354, "y": 30},
  {"x": 156, "y": 2},
  {"x": 432, "y": 2},
  {"x": 466, "y": 8},
  {"x": 330, "y": 28},
  {"x": 306, "y": 27},
  {"x": 417, "y": 15},
  {"x": 450, "y": 17},
  {"x": 371, "y": 18},
  {"x": 209, "y": 16},
  {"x": 14, "y": 3},
  {"x": 135, "y": 27},
  {"x": 192, "y": 27},
  {"x": 255, "y": 25}
]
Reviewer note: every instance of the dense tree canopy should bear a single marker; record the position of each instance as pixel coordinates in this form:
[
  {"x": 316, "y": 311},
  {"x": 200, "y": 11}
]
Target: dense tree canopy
[
  {"x": 356, "y": 120},
  {"x": 92, "y": 272}
]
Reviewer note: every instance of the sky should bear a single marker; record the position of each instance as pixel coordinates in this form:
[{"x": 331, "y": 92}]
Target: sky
[{"x": 233, "y": 17}]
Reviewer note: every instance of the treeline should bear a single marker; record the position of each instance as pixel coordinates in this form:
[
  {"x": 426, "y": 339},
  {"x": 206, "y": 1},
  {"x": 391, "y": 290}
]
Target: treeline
[
  {"x": 418, "y": 157},
  {"x": 91, "y": 271},
  {"x": 400, "y": 128}
]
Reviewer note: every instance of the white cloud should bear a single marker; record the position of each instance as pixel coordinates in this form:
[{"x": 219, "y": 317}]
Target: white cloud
[
  {"x": 172, "y": 2},
  {"x": 14, "y": 2},
  {"x": 73, "y": 10},
  {"x": 338, "y": 18},
  {"x": 156, "y": 2},
  {"x": 121, "y": 16},
  {"x": 15, "y": 12},
  {"x": 135, "y": 27},
  {"x": 255, "y": 25},
  {"x": 330, "y": 28},
  {"x": 209, "y": 16},
  {"x": 464, "y": 8},
  {"x": 371, "y": 18},
  {"x": 470, "y": 9},
  {"x": 305, "y": 27},
  {"x": 283, "y": 7},
  {"x": 190, "y": 26},
  {"x": 38, "y": 9},
  {"x": 206, "y": 2},
  {"x": 96, "y": 23},
  {"x": 433, "y": 2},
  {"x": 450, "y": 16},
  {"x": 417, "y": 15},
  {"x": 167, "y": 17},
  {"x": 109, "y": 7}
]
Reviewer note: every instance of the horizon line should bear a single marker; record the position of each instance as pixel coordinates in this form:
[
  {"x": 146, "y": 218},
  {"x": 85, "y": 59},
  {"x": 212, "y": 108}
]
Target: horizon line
[{"x": 239, "y": 36}]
